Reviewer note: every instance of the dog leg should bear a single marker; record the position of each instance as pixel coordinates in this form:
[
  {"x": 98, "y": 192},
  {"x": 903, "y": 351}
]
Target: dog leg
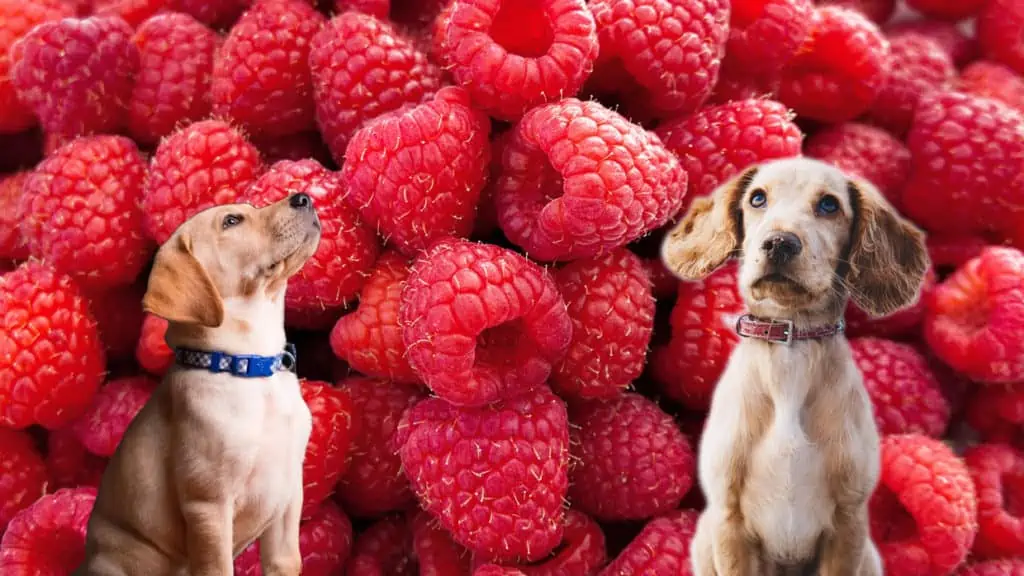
[
  {"x": 279, "y": 545},
  {"x": 208, "y": 538},
  {"x": 872, "y": 562},
  {"x": 702, "y": 561},
  {"x": 845, "y": 547},
  {"x": 734, "y": 554}
]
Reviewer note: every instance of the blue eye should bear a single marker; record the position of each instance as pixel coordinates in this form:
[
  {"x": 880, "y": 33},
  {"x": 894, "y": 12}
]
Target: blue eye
[
  {"x": 828, "y": 204},
  {"x": 758, "y": 198}
]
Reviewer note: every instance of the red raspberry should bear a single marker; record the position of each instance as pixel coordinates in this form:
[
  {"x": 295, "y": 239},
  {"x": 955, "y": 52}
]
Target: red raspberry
[
  {"x": 173, "y": 84},
  {"x": 611, "y": 306},
  {"x": 48, "y": 537},
  {"x": 961, "y": 48},
  {"x": 25, "y": 477},
  {"x": 17, "y": 18},
  {"x": 1003, "y": 567},
  {"x": 76, "y": 74},
  {"x": 865, "y": 151},
  {"x": 1000, "y": 31},
  {"x": 840, "y": 70},
  {"x": 81, "y": 212},
  {"x": 998, "y": 474},
  {"x": 370, "y": 338},
  {"x": 134, "y": 12},
  {"x": 348, "y": 247},
  {"x": 703, "y": 337},
  {"x": 417, "y": 174},
  {"x": 51, "y": 355},
  {"x": 906, "y": 395},
  {"x": 382, "y": 550},
  {"x": 325, "y": 540},
  {"x": 201, "y": 165},
  {"x": 103, "y": 425},
  {"x": 919, "y": 65},
  {"x": 954, "y": 251},
  {"x": 215, "y": 13},
  {"x": 495, "y": 570},
  {"x": 330, "y": 442},
  {"x": 152, "y": 352},
  {"x": 764, "y": 35},
  {"x": 663, "y": 283},
  {"x": 298, "y": 146},
  {"x": 642, "y": 56},
  {"x": 119, "y": 316},
  {"x": 719, "y": 141},
  {"x": 947, "y": 9},
  {"x": 968, "y": 156},
  {"x": 661, "y": 548},
  {"x": 261, "y": 77},
  {"x": 512, "y": 55},
  {"x": 578, "y": 179},
  {"x": 878, "y": 11},
  {"x": 374, "y": 483},
  {"x": 509, "y": 462},
  {"x": 435, "y": 552},
  {"x": 973, "y": 317},
  {"x": 993, "y": 80},
  {"x": 482, "y": 323},
  {"x": 69, "y": 463},
  {"x": 581, "y": 553},
  {"x": 362, "y": 68},
  {"x": 900, "y": 324},
  {"x": 923, "y": 510},
  {"x": 12, "y": 242},
  {"x": 377, "y": 8},
  {"x": 997, "y": 413},
  {"x": 737, "y": 84}
]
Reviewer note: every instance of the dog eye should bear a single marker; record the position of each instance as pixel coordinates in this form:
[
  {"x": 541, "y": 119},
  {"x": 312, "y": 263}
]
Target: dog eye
[
  {"x": 232, "y": 220},
  {"x": 758, "y": 198},
  {"x": 828, "y": 204}
]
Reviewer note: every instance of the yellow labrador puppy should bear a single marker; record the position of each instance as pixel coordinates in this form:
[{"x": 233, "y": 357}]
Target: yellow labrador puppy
[{"x": 214, "y": 460}]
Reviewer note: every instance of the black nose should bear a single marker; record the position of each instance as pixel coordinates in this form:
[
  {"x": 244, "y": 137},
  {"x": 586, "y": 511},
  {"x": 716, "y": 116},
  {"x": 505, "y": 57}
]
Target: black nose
[
  {"x": 781, "y": 247},
  {"x": 300, "y": 201}
]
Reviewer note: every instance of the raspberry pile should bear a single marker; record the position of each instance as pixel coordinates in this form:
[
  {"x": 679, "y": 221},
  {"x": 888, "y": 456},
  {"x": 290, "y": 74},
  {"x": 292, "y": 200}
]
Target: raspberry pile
[{"x": 503, "y": 377}]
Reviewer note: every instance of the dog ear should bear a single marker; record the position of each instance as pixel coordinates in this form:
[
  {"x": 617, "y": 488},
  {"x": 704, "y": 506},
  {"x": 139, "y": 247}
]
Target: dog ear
[
  {"x": 710, "y": 233},
  {"x": 887, "y": 256},
  {"x": 180, "y": 290}
]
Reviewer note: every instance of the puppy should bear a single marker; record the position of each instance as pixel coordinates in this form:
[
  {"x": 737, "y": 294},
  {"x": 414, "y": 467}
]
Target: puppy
[
  {"x": 789, "y": 456},
  {"x": 214, "y": 460}
]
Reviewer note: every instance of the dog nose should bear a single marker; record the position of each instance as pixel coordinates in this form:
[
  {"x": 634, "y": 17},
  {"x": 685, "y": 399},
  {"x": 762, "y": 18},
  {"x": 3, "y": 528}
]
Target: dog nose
[
  {"x": 300, "y": 201},
  {"x": 781, "y": 247}
]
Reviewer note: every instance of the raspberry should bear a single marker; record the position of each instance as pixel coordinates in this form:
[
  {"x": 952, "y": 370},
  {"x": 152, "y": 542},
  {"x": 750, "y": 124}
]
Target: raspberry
[
  {"x": 51, "y": 356},
  {"x": 12, "y": 243},
  {"x": 48, "y": 537},
  {"x": 954, "y": 251},
  {"x": 261, "y": 77},
  {"x": 173, "y": 83},
  {"x": 509, "y": 463},
  {"x": 643, "y": 58},
  {"x": 993, "y": 80},
  {"x": 370, "y": 338},
  {"x": 906, "y": 396},
  {"x": 997, "y": 413},
  {"x": 919, "y": 65},
  {"x": 900, "y": 324},
  {"x": 737, "y": 84},
  {"x": 865, "y": 151},
  {"x": 998, "y": 474},
  {"x": 298, "y": 146},
  {"x": 215, "y": 13},
  {"x": 435, "y": 552},
  {"x": 923, "y": 510},
  {"x": 663, "y": 283},
  {"x": 374, "y": 483},
  {"x": 377, "y": 8},
  {"x": 1003, "y": 567},
  {"x": 719, "y": 141},
  {"x": 662, "y": 547},
  {"x": 578, "y": 180},
  {"x": 152, "y": 352},
  {"x": 582, "y": 551},
  {"x": 347, "y": 250},
  {"x": 134, "y": 12},
  {"x": 495, "y": 570},
  {"x": 878, "y": 11},
  {"x": 102, "y": 426},
  {"x": 381, "y": 549},
  {"x": 69, "y": 463},
  {"x": 765, "y": 34},
  {"x": 24, "y": 477},
  {"x": 961, "y": 48},
  {"x": 611, "y": 306},
  {"x": 1000, "y": 31},
  {"x": 119, "y": 316},
  {"x": 329, "y": 444},
  {"x": 514, "y": 55},
  {"x": 80, "y": 211},
  {"x": 76, "y": 75},
  {"x": 482, "y": 323},
  {"x": 840, "y": 70},
  {"x": 947, "y": 9},
  {"x": 362, "y": 68},
  {"x": 199, "y": 166},
  {"x": 967, "y": 156},
  {"x": 973, "y": 317},
  {"x": 17, "y": 19},
  {"x": 325, "y": 540}
]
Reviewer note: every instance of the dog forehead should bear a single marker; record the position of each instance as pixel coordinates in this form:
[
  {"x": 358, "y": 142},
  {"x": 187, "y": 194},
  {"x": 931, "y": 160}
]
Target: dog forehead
[{"x": 797, "y": 177}]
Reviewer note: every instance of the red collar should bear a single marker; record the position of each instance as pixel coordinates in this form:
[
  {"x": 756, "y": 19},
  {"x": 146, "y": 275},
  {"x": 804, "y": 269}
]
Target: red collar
[{"x": 783, "y": 331}]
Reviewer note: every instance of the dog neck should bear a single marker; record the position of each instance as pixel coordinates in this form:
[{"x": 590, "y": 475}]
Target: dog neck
[{"x": 251, "y": 326}]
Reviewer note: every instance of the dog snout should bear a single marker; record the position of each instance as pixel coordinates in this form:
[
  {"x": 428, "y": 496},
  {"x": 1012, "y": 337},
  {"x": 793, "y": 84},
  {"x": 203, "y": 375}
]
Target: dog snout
[
  {"x": 301, "y": 201},
  {"x": 781, "y": 247}
]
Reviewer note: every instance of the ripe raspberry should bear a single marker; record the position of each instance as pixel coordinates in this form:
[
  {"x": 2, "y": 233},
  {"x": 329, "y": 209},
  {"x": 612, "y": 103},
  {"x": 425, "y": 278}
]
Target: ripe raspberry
[
  {"x": 662, "y": 547},
  {"x": 152, "y": 352},
  {"x": 952, "y": 252},
  {"x": 199, "y": 166},
  {"x": 435, "y": 552},
  {"x": 69, "y": 463},
  {"x": 495, "y": 570},
  {"x": 134, "y": 12},
  {"x": 642, "y": 56},
  {"x": 765, "y": 34},
  {"x": 972, "y": 317},
  {"x": 482, "y": 323},
  {"x": 51, "y": 355},
  {"x": 509, "y": 461},
  {"x": 298, "y": 146},
  {"x": 80, "y": 211},
  {"x": 348, "y": 247},
  {"x": 993, "y": 80},
  {"x": 998, "y": 474},
  {"x": 377, "y": 8},
  {"x": 173, "y": 84},
  {"x": 865, "y": 151},
  {"x": 919, "y": 65},
  {"x": 1002, "y": 567},
  {"x": 997, "y": 414},
  {"x": 840, "y": 70},
  {"x": 76, "y": 75},
  {"x": 737, "y": 84},
  {"x": 102, "y": 426},
  {"x": 17, "y": 19},
  {"x": 370, "y": 338},
  {"x": 900, "y": 324},
  {"x": 967, "y": 159},
  {"x": 582, "y": 551},
  {"x": 663, "y": 283},
  {"x": 330, "y": 442},
  {"x": 1000, "y": 32},
  {"x": 215, "y": 13},
  {"x": 512, "y": 56},
  {"x": 48, "y": 537},
  {"x": 416, "y": 174},
  {"x": 878, "y": 11},
  {"x": 923, "y": 510},
  {"x": 947, "y": 9},
  {"x": 362, "y": 68},
  {"x": 719, "y": 141},
  {"x": 325, "y": 540},
  {"x": 119, "y": 316},
  {"x": 382, "y": 549},
  {"x": 578, "y": 180},
  {"x": 374, "y": 483},
  {"x": 24, "y": 477},
  {"x": 961, "y": 48},
  {"x": 12, "y": 242}
]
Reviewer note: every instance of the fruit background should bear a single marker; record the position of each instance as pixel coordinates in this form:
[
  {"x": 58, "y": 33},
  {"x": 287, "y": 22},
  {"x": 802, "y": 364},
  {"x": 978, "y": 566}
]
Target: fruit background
[{"x": 503, "y": 377}]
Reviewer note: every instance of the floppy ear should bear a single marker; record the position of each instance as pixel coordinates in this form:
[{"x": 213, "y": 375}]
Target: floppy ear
[
  {"x": 180, "y": 290},
  {"x": 887, "y": 258},
  {"x": 710, "y": 233}
]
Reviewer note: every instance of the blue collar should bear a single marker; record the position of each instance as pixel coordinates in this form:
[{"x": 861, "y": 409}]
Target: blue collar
[{"x": 241, "y": 365}]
